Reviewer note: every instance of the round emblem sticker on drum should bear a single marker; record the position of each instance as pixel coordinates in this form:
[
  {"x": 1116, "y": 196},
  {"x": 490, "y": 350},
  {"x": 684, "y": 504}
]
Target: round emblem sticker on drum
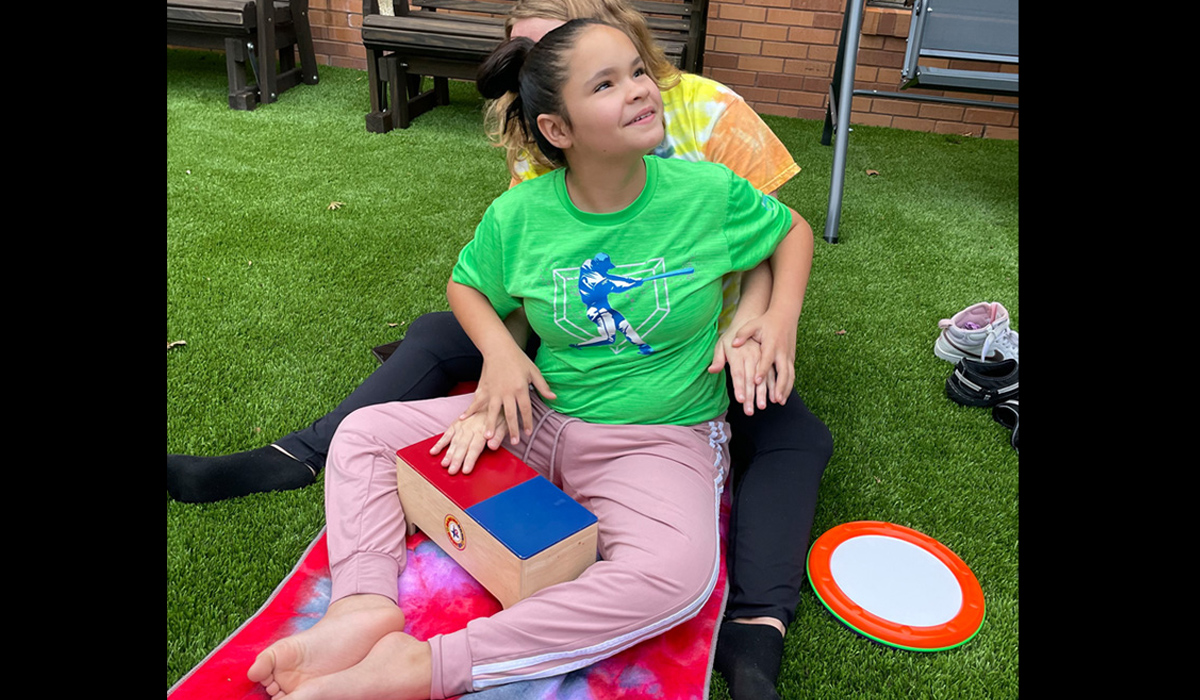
[
  {"x": 895, "y": 585},
  {"x": 455, "y": 532}
]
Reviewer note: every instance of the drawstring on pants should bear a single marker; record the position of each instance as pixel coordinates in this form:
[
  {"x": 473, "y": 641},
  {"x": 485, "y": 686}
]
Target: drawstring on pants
[
  {"x": 717, "y": 436},
  {"x": 554, "y": 445}
]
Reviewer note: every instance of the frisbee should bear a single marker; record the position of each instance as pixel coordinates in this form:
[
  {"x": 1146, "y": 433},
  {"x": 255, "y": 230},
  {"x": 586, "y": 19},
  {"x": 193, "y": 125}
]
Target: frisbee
[{"x": 896, "y": 586}]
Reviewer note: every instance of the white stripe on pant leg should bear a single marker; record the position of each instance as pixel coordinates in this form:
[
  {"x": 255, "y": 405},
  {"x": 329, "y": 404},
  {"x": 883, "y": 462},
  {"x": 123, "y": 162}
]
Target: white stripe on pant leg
[
  {"x": 579, "y": 658},
  {"x": 717, "y": 437}
]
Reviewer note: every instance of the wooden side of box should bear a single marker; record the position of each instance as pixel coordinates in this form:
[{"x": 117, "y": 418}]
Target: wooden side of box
[
  {"x": 501, "y": 572},
  {"x": 481, "y": 554},
  {"x": 562, "y": 561}
]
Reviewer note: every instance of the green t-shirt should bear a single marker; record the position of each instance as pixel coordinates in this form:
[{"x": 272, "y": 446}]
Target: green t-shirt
[{"x": 617, "y": 347}]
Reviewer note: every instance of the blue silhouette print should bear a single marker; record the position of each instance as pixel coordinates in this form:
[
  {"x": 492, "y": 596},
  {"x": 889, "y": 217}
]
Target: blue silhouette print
[{"x": 596, "y": 282}]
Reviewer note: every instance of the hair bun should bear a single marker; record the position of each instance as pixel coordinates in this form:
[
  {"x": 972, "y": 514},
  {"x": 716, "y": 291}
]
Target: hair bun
[{"x": 500, "y": 72}]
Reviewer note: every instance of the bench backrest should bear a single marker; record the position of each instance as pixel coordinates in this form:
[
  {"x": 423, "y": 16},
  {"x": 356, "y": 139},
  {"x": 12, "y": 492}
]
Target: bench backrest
[
  {"x": 971, "y": 30},
  {"x": 680, "y": 25}
]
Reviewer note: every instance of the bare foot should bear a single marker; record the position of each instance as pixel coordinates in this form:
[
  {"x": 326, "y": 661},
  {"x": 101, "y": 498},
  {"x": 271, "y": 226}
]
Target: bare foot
[
  {"x": 341, "y": 639},
  {"x": 399, "y": 667}
]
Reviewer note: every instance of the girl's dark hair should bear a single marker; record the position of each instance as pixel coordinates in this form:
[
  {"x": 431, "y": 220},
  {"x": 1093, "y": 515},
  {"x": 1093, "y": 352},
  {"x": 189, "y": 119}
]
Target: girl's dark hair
[
  {"x": 621, "y": 14},
  {"x": 534, "y": 74}
]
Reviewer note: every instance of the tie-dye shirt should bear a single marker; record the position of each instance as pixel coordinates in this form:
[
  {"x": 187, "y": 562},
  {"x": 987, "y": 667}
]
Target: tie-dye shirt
[{"x": 706, "y": 121}]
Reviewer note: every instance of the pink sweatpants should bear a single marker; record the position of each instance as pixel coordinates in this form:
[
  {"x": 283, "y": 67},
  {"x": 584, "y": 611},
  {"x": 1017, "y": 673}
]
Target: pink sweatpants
[{"x": 654, "y": 489}]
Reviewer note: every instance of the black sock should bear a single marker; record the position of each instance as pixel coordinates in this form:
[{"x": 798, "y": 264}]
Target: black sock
[
  {"x": 206, "y": 479},
  {"x": 748, "y": 656}
]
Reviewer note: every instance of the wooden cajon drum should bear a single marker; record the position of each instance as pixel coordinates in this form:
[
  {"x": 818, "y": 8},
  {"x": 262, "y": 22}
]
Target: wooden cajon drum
[{"x": 510, "y": 528}]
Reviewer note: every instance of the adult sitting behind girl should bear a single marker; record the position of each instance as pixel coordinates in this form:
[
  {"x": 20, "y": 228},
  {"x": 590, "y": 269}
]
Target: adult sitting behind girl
[{"x": 654, "y": 487}]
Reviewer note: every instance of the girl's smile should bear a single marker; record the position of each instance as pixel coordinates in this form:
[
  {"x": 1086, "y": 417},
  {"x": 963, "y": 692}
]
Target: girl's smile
[{"x": 643, "y": 116}]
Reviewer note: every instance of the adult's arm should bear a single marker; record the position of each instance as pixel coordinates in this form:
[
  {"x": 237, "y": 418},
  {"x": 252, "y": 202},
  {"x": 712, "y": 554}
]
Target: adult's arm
[{"x": 775, "y": 329}]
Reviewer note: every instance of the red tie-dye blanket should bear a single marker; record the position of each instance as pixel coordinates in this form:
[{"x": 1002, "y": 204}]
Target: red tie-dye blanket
[{"x": 437, "y": 597}]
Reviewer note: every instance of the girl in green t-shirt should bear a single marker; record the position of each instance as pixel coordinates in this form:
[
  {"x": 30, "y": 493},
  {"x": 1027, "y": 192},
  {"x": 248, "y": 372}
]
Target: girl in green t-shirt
[{"x": 587, "y": 100}]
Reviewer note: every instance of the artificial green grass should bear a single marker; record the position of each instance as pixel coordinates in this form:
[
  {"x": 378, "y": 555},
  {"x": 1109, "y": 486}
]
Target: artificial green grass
[{"x": 279, "y": 299}]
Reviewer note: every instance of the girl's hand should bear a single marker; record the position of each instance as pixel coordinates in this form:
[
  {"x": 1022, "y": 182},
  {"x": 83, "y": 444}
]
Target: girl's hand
[
  {"x": 743, "y": 363},
  {"x": 465, "y": 440},
  {"x": 503, "y": 392},
  {"x": 777, "y": 336}
]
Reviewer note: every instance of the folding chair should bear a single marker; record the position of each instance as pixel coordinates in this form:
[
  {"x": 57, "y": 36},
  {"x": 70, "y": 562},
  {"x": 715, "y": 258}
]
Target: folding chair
[{"x": 965, "y": 32}]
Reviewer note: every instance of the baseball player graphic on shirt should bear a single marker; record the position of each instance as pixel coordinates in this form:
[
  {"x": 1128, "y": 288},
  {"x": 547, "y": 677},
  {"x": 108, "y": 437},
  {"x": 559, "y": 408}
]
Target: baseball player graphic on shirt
[{"x": 596, "y": 282}]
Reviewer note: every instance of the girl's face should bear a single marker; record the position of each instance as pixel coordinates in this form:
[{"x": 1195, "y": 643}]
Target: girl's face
[{"x": 614, "y": 106}]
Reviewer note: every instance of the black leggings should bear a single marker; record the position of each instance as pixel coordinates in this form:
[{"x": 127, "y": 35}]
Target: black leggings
[{"x": 778, "y": 454}]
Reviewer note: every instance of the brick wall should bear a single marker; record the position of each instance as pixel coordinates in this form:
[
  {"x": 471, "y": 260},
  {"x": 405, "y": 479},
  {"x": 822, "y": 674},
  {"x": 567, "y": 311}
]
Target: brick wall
[
  {"x": 778, "y": 54},
  {"x": 337, "y": 32}
]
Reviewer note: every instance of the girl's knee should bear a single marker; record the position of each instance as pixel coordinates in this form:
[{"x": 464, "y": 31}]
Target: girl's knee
[
  {"x": 681, "y": 578},
  {"x": 686, "y": 594},
  {"x": 359, "y": 423},
  {"x": 357, "y": 434}
]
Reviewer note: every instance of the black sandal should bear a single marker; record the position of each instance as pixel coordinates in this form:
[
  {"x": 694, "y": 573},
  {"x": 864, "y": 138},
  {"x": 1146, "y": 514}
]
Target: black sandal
[{"x": 1008, "y": 414}]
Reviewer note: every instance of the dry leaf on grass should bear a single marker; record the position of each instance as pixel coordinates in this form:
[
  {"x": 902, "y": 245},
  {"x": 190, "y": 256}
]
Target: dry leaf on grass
[
  {"x": 335, "y": 205},
  {"x": 176, "y": 343},
  {"x": 872, "y": 172}
]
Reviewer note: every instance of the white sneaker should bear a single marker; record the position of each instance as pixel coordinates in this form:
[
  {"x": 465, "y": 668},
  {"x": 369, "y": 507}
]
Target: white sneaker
[{"x": 979, "y": 332}]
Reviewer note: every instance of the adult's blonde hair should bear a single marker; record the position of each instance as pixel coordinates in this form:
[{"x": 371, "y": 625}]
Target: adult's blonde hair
[{"x": 618, "y": 13}]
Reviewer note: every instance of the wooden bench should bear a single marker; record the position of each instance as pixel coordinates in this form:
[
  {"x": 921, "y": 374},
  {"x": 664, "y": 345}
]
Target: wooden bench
[
  {"x": 251, "y": 33},
  {"x": 407, "y": 40}
]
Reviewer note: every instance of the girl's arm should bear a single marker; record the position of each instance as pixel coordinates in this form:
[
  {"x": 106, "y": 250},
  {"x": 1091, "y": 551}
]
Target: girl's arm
[
  {"x": 775, "y": 329},
  {"x": 507, "y": 370},
  {"x": 468, "y": 436}
]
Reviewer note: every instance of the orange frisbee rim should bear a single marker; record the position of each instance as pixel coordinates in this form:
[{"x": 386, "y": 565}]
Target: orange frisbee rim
[{"x": 952, "y": 633}]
